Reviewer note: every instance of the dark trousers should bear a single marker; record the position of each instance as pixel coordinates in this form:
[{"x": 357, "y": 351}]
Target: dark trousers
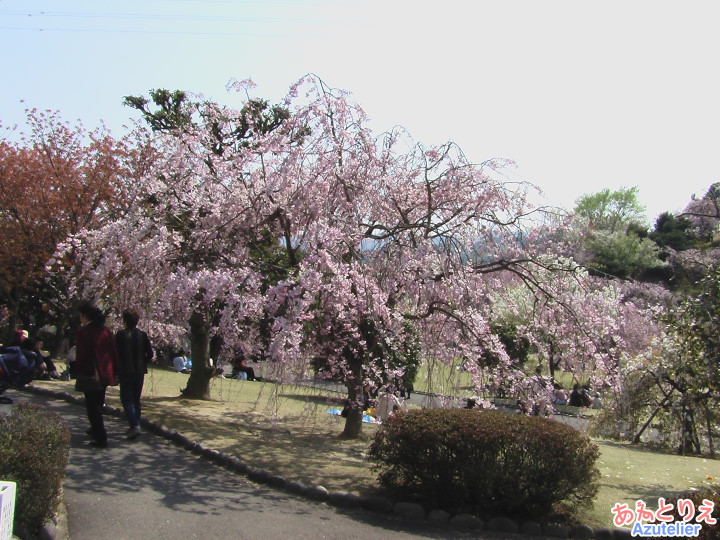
[
  {"x": 49, "y": 364},
  {"x": 94, "y": 402},
  {"x": 130, "y": 390}
]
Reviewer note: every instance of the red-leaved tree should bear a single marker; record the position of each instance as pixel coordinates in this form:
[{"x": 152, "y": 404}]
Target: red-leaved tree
[{"x": 55, "y": 181}]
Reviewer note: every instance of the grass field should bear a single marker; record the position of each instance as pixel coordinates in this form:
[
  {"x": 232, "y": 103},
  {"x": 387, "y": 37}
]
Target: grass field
[{"x": 287, "y": 430}]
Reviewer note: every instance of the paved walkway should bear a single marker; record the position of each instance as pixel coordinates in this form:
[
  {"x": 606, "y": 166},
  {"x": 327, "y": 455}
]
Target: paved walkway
[{"x": 152, "y": 489}]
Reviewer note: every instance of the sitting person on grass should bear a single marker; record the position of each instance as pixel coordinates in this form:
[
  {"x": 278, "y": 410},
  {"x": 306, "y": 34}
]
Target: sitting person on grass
[
  {"x": 559, "y": 395},
  {"x": 182, "y": 363},
  {"x": 48, "y": 366},
  {"x": 579, "y": 397},
  {"x": 240, "y": 370}
]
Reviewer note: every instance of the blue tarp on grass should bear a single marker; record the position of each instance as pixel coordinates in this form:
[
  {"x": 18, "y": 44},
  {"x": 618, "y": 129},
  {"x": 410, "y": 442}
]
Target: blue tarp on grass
[{"x": 366, "y": 417}]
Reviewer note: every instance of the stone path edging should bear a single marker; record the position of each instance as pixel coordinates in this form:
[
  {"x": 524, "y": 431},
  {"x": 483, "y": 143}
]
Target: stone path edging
[{"x": 406, "y": 510}]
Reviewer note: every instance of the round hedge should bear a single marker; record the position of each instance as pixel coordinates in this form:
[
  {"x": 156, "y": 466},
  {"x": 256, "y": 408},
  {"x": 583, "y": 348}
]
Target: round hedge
[
  {"x": 712, "y": 494},
  {"x": 34, "y": 450},
  {"x": 492, "y": 462}
]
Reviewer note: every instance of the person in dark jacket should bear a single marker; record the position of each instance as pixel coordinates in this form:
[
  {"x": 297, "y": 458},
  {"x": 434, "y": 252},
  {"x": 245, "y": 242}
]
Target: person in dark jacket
[
  {"x": 239, "y": 366},
  {"x": 96, "y": 358},
  {"x": 575, "y": 397},
  {"x": 135, "y": 353}
]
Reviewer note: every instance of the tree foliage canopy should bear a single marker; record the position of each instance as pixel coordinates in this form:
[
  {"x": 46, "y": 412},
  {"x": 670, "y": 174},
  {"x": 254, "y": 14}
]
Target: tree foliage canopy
[
  {"x": 376, "y": 231},
  {"x": 673, "y": 232},
  {"x": 614, "y": 240},
  {"x": 704, "y": 214},
  {"x": 54, "y": 182},
  {"x": 611, "y": 211},
  {"x": 222, "y": 128},
  {"x": 622, "y": 255}
]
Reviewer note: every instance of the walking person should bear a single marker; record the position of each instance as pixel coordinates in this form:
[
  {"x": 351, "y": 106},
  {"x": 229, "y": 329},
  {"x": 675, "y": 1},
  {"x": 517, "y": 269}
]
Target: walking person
[
  {"x": 96, "y": 362},
  {"x": 135, "y": 352}
]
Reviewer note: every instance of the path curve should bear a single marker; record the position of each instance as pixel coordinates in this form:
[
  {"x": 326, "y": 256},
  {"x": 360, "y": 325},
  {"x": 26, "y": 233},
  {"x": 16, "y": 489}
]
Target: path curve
[{"x": 152, "y": 489}]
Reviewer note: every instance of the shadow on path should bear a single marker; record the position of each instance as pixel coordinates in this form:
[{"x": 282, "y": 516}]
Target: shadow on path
[{"x": 151, "y": 489}]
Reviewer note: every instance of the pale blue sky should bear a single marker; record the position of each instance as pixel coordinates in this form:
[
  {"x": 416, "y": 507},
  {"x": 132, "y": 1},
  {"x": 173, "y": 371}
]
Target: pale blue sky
[{"x": 582, "y": 95}]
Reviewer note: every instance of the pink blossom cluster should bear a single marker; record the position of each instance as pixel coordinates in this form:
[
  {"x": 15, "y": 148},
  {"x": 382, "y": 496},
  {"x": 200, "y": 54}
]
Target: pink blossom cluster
[{"x": 374, "y": 231}]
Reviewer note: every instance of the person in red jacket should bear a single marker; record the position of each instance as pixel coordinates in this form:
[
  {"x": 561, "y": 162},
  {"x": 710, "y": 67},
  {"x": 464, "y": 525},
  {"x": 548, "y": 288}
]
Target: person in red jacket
[{"x": 96, "y": 356}]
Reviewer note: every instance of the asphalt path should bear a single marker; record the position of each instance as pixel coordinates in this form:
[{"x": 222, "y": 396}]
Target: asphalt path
[{"x": 152, "y": 489}]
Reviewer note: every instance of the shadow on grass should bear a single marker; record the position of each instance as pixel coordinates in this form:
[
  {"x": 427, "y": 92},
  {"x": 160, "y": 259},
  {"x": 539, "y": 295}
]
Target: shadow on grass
[
  {"x": 310, "y": 451},
  {"x": 647, "y": 493},
  {"x": 319, "y": 399},
  {"x": 642, "y": 448},
  {"x": 164, "y": 399}
]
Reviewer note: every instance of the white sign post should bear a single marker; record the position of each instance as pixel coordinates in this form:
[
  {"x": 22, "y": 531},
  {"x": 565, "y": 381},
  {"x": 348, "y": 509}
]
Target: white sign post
[{"x": 7, "y": 509}]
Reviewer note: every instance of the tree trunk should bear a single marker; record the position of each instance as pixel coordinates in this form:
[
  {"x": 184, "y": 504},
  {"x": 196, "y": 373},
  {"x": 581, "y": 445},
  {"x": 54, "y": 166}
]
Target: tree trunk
[
  {"x": 551, "y": 361},
  {"x": 14, "y": 308},
  {"x": 216, "y": 345},
  {"x": 694, "y": 438},
  {"x": 353, "y": 421},
  {"x": 64, "y": 335},
  {"x": 688, "y": 438},
  {"x": 636, "y": 438},
  {"x": 708, "y": 424},
  {"x": 198, "y": 385}
]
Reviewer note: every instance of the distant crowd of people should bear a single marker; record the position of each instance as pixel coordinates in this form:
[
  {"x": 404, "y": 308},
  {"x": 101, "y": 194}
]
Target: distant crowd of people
[
  {"x": 38, "y": 360},
  {"x": 98, "y": 359},
  {"x": 579, "y": 397},
  {"x": 23, "y": 360},
  {"x": 239, "y": 368}
]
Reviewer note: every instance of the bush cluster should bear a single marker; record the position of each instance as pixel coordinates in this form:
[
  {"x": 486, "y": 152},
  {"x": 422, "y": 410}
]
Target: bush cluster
[
  {"x": 707, "y": 532},
  {"x": 34, "y": 448},
  {"x": 489, "y": 462}
]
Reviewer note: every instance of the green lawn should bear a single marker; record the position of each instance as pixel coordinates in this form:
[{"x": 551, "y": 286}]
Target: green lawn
[{"x": 629, "y": 473}]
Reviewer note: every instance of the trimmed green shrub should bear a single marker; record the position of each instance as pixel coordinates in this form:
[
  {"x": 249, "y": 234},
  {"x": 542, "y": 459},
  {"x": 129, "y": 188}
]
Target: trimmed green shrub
[
  {"x": 34, "y": 448},
  {"x": 489, "y": 462}
]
